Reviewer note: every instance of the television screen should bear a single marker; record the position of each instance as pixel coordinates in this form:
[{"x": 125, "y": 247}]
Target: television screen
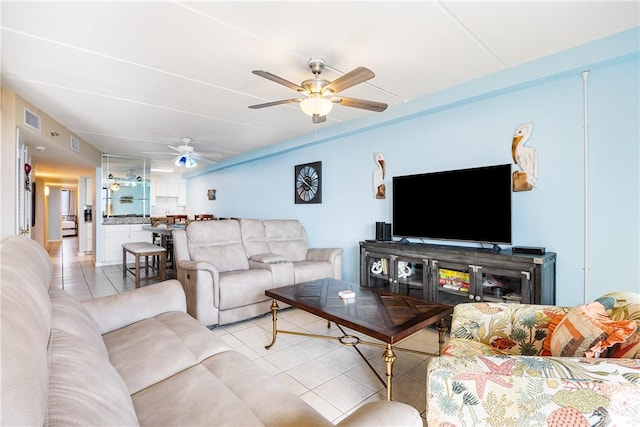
[{"x": 472, "y": 205}]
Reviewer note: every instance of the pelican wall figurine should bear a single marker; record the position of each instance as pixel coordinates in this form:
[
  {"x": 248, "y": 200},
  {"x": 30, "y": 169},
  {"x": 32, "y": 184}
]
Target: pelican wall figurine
[
  {"x": 525, "y": 157},
  {"x": 379, "y": 189}
]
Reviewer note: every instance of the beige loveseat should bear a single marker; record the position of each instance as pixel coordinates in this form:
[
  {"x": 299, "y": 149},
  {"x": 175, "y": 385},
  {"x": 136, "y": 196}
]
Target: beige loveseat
[
  {"x": 132, "y": 359},
  {"x": 225, "y": 266}
]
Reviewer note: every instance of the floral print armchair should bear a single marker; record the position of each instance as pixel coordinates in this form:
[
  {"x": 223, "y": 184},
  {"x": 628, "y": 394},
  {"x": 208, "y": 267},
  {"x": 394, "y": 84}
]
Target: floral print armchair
[{"x": 494, "y": 371}]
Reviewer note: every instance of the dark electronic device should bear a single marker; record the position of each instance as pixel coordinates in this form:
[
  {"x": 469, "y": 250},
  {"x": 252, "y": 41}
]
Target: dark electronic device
[
  {"x": 472, "y": 205},
  {"x": 532, "y": 250}
]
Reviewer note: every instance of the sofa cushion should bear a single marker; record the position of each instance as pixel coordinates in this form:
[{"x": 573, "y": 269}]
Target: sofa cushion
[
  {"x": 202, "y": 399},
  {"x": 587, "y": 331},
  {"x": 272, "y": 403},
  {"x": 175, "y": 340},
  {"x": 84, "y": 388},
  {"x": 287, "y": 238},
  {"x": 217, "y": 242},
  {"x": 254, "y": 236},
  {"x": 239, "y": 288},
  {"x": 69, "y": 315}
]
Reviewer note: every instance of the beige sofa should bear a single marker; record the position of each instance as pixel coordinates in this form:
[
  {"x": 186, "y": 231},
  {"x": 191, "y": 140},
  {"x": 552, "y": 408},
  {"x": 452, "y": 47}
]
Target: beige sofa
[
  {"x": 225, "y": 266},
  {"x": 132, "y": 359}
]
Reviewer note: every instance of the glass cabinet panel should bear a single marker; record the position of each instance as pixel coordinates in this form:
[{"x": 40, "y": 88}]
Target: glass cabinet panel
[
  {"x": 455, "y": 282},
  {"x": 125, "y": 186},
  {"x": 378, "y": 271},
  {"x": 411, "y": 277},
  {"x": 502, "y": 285}
]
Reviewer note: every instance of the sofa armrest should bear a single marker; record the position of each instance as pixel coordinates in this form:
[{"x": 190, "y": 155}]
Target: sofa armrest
[
  {"x": 331, "y": 255},
  {"x": 531, "y": 390},
  {"x": 383, "y": 414},
  {"x": 323, "y": 254},
  {"x": 116, "y": 311},
  {"x": 267, "y": 258}
]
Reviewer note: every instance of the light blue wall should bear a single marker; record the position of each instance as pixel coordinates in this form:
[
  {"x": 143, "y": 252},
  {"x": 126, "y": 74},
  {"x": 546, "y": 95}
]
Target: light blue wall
[{"x": 472, "y": 125}]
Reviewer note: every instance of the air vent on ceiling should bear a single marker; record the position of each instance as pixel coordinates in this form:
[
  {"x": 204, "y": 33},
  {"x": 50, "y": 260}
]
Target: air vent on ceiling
[
  {"x": 32, "y": 120},
  {"x": 75, "y": 144}
]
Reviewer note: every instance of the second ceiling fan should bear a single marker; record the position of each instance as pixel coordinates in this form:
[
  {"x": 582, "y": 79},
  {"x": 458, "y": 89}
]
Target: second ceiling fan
[{"x": 320, "y": 94}]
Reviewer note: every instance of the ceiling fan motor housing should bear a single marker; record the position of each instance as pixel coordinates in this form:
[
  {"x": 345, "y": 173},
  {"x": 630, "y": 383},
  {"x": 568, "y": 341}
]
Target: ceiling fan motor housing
[{"x": 316, "y": 65}]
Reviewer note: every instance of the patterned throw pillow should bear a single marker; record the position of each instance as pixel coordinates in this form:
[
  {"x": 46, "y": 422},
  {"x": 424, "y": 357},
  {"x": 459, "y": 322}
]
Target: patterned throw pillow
[
  {"x": 553, "y": 324},
  {"x": 587, "y": 331},
  {"x": 624, "y": 306}
]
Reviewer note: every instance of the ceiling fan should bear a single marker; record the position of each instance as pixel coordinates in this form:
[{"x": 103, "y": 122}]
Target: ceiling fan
[
  {"x": 187, "y": 156},
  {"x": 320, "y": 94}
]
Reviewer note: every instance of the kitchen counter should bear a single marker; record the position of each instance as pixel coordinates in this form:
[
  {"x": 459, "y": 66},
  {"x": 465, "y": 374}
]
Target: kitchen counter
[{"x": 113, "y": 220}]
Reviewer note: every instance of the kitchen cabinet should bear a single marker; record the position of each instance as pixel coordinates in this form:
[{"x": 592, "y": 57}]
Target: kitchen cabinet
[{"x": 114, "y": 236}]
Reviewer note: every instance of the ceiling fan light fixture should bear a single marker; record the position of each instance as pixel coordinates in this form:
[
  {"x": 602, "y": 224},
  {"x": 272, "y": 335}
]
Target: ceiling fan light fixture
[
  {"x": 185, "y": 160},
  {"x": 316, "y": 105}
]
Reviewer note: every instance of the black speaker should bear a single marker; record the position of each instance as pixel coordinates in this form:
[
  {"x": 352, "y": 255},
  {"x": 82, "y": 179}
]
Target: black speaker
[
  {"x": 379, "y": 230},
  {"x": 387, "y": 233}
]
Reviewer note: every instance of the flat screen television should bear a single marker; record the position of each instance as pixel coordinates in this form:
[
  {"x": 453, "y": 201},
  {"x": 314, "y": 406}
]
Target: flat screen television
[{"x": 470, "y": 205}]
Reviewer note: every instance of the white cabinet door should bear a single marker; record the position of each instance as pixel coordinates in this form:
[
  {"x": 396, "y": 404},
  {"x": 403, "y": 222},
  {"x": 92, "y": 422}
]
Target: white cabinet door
[
  {"x": 117, "y": 235},
  {"x": 166, "y": 189},
  {"x": 182, "y": 194},
  {"x": 114, "y": 237},
  {"x": 137, "y": 234},
  {"x": 88, "y": 233}
]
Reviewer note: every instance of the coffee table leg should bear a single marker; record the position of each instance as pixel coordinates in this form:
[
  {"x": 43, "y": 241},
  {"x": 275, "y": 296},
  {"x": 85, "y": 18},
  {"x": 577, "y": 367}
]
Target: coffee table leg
[
  {"x": 389, "y": 357},
  {"x": 442, "y": 329},
  {"x": 274, "y": 316}
]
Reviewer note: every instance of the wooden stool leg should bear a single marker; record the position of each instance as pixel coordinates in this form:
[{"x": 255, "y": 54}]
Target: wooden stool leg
[
  {"x": 163, "y": 265},
  {"x": 137, "y": 271}
]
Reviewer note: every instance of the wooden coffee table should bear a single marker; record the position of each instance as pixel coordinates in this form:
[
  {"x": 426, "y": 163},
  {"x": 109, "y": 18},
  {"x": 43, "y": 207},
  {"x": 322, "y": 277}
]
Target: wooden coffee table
[{"x": 385, "y": 316}]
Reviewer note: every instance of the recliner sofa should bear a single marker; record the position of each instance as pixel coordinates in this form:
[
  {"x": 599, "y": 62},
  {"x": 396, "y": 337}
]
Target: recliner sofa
[
  {"x": 225, "y": 266},
  {"x": 134, "y": 358}
]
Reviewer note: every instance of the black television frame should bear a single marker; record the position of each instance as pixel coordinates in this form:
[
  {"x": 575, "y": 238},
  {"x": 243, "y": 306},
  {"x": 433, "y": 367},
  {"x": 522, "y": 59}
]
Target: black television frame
[{"x": 485, "y": 192}]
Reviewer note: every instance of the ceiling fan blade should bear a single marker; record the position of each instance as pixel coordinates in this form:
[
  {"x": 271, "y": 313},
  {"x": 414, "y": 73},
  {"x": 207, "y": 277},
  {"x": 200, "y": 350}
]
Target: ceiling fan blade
[
  {"x": 270, "y": 104},
  {"x": 318, "y": 119},
  {"x": 267, "y": 75},
  {"x": 352, "y": 78},
  {"x": 204, "y": 159},
  {"x": 175, "y": 148},
  {"x": 360, "y": 103}
]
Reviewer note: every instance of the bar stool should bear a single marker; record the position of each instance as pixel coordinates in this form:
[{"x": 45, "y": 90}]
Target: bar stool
[
  {"x": 203, "y": 217},
  {"x": 178, "y": 219},
  {"x": 146, "y": 250}
]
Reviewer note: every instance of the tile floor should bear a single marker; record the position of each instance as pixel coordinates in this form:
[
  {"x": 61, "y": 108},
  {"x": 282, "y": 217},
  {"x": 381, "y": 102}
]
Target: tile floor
[{"x": 332, "y": 378}]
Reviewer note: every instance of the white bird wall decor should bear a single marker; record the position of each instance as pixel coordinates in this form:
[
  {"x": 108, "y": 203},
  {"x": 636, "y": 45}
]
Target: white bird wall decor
[
  {"x": 525, "y": 157},
  {"x": 379, "y": 189}
]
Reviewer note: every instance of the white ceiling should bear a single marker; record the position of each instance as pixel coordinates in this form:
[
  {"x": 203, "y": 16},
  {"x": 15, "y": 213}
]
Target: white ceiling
[{"x": 134, "y": 77}]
